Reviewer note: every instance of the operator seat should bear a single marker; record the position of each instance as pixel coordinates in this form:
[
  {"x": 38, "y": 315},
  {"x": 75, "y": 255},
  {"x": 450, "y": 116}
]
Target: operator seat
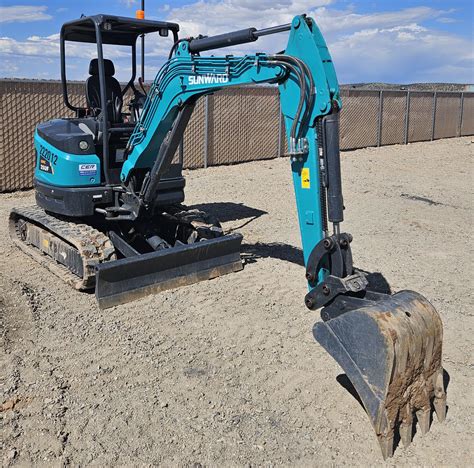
[{"x": 113, "y": 91}]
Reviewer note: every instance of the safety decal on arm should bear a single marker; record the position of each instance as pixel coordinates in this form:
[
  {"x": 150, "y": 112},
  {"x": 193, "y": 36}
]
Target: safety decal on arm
[{"x": 305, "y": 180}]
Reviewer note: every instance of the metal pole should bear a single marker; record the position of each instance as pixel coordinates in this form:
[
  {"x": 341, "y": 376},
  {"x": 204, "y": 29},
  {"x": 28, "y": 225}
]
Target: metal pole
[
  {"x": 461, "y": 115},
  {"x": 435, "y": 95},
  {"x": 206, "y": 129},
  {"x": 280, "y": 123},
  {"x": 143, "y": 48},
  {"x": 103, "y": 103},
  {"x": 379, "y": 132},
  {"x": 407, "y": 117},
  {"x": 272, "y": 30},
  {"x": 181, "y": 151}
]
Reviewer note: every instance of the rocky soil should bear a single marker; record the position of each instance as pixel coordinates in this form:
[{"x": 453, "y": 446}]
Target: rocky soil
[{"x": 226, "y": 372}]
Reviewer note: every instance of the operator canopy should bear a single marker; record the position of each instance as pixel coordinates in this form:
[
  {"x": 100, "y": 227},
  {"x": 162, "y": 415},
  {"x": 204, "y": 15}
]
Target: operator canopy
[{"x": 116, "y": 30}]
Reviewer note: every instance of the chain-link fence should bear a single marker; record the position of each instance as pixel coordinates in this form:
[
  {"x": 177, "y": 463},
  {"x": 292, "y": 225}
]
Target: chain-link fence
[{"x": 239, "y": 124}]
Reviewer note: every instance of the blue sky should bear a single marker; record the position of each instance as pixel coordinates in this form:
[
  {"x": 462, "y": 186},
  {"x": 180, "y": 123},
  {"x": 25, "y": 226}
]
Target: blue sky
[{"x": 400, "y": 42}]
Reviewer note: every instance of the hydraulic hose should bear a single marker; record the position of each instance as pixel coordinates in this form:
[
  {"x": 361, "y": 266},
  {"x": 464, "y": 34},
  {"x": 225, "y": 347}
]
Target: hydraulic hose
[
  {"x": 174, "y": 46},
  {"x": 302, "y": 65},
  {"x": 302, "y": 84}
]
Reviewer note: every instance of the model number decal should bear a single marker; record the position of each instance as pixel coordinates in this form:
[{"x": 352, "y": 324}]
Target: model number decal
[
  {"x": 87, "y": 169},
  {"x": 48, "y": 155}
]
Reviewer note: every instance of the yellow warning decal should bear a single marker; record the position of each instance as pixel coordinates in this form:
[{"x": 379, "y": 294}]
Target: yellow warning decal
[
  {"x": 305, "y": 181},
  {"x": 45, "y": 243}
]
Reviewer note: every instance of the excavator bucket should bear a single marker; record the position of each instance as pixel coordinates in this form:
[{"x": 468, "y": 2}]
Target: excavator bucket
[{"x": 390, "y": 349}]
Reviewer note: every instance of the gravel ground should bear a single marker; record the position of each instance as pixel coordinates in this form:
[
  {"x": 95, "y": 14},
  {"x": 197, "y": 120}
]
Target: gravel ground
[{"x": 227, "y": 371}]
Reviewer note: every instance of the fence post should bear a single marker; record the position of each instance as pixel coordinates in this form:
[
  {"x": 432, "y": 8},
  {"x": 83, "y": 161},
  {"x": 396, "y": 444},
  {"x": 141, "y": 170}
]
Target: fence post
[
  {"x": 280, "y": 122},
  {"x": 461, "y": 114},
  {"x": 407, "y": 117},
  {"x": 181, "y": 151},
  {"x": 435, "y": 95},
  {"x": 206, "y": 131},
  {"x": 379, "y": 130}
]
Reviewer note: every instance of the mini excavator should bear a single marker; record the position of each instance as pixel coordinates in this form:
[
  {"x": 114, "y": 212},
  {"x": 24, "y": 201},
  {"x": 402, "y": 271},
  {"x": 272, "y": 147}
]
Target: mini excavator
[{"x": 109, "y": 207}]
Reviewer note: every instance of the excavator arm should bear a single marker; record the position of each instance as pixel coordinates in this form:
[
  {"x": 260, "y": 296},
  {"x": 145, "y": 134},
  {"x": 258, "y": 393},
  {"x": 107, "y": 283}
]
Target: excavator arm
[
  {"x": 310, "y": 102},
  {"x": 388, "y": 345}
]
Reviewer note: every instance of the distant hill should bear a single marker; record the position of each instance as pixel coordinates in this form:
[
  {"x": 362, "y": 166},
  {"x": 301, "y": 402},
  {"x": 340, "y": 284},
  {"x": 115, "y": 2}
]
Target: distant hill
[
  {"x": 455, "y": 87},
  {"x": 412, "y": 86}
]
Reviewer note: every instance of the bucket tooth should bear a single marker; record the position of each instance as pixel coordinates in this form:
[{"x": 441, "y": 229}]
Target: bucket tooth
[
  {"x": 386, "y": 445},
  {"x": 423, "y": 417},
  {"x": 406, "y": 427},
  {"x": 440, "y": 408},
  {"x": 439, "y": 401},
  {"x": 406, "y": 433},
  {"x": 390, "y": 349}
]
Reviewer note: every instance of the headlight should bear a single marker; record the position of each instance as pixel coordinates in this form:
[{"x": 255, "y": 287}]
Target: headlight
[{"x": 83, "y": 145}]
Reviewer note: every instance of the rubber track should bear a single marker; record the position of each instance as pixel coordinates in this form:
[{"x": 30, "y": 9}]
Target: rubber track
[{"x": 94, "y": 246}]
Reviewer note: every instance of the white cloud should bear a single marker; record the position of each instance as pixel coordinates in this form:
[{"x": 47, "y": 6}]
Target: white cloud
[
  {"x": 129, "y": 3},
  {"x": 48, "y": 46},
  {"x": 35, "y": 52},
  {"x": 210, "y": 17},
  {"x": 338, "y": 20},
  {"x": 8, "y": 67},
  {"x": 392, "y": 46},
  {"x": 446, "y": 20},
  {"x": 23, "y": 14},
  {"x": 385, "y": 46},
  {"x": 402, "y": 54},
  {"x": 215, "y": 17},
  {"x": 33, "y": 46}
]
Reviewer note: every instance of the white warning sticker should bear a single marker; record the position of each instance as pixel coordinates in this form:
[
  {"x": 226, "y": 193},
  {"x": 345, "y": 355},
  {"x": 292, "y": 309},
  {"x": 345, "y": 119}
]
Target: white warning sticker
[{"x": 87, "y": 169}]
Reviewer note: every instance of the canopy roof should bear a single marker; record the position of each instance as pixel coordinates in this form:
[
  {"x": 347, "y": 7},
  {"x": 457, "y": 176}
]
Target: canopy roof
[{"x": 117, "y": 30}]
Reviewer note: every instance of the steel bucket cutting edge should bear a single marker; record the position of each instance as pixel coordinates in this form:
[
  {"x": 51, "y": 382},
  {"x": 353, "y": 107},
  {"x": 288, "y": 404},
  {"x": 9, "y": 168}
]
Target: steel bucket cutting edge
[{"x": 391, "y": 352}]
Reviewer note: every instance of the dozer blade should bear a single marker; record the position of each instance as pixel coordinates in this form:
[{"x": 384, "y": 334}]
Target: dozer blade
[
  {"x": 127, "y": 279},
  {"x": 391, "y": 352}
]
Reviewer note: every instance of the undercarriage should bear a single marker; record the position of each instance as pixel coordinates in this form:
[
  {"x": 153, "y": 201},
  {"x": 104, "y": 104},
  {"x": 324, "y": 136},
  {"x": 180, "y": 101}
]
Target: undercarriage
[{"x": 127, "y": 260}]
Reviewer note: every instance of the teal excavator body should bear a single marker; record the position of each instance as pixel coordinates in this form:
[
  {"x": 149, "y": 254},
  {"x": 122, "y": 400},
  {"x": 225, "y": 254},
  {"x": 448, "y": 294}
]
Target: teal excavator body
[{"x": 110, "y": 211}]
